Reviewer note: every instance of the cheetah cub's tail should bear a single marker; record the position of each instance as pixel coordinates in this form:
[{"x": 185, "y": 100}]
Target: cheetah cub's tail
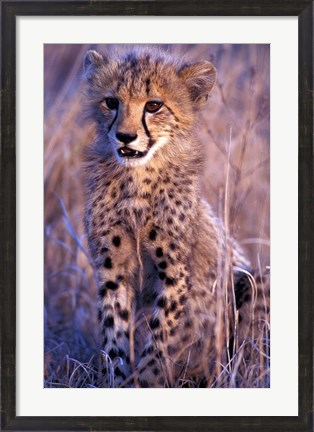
[{"x": 251, "y": 333}]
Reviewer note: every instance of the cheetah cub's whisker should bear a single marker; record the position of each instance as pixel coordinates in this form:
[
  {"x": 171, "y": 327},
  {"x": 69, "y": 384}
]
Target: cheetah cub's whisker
[{"x": 143, "y": 197}]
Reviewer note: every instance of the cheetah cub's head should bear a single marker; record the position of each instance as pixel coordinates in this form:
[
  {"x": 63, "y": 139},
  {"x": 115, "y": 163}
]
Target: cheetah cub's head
[{"x": 145, "y": 102}]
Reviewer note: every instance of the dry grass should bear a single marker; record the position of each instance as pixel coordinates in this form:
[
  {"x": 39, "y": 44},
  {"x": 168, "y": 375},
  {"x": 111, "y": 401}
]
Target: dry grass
[{"x": 235, "y": 128}]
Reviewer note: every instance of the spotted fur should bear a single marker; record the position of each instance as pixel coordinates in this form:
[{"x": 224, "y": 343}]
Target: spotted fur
[{"x": 158, "y": 248}]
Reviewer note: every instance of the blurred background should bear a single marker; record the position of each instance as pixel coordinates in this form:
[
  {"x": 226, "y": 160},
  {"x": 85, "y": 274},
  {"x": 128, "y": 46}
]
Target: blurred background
[{"x": 235, "y": 121}]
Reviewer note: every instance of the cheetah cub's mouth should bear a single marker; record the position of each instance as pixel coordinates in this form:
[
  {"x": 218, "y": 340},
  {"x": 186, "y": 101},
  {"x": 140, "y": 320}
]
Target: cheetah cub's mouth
[{"x": 126, "y": 152}]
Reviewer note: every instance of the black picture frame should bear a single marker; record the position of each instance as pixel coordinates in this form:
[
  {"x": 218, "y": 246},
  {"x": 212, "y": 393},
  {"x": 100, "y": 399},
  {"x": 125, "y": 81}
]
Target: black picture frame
[{"x": 9, "y": 11}]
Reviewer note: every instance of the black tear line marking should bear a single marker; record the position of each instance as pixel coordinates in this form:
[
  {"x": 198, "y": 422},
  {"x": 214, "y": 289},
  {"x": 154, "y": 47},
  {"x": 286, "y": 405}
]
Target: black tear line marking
[
  {"x": 145, "y": 125},
  {"x": 115, "y": 117},
  {"x": 151, "y": 142}
]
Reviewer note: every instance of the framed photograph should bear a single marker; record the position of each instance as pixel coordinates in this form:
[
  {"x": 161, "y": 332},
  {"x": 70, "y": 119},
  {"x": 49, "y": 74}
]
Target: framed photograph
[{"x": 156, "y": 181}]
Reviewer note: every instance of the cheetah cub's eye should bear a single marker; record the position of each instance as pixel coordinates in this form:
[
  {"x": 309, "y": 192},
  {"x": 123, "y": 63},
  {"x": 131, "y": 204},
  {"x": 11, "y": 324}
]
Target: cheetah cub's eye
[
  {"x": 153, "y": 106},
  {"x": 112, "y": 104}
]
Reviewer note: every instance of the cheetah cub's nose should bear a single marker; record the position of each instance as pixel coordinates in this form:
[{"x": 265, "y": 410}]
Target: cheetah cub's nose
[{"x": 125, "y": 138}]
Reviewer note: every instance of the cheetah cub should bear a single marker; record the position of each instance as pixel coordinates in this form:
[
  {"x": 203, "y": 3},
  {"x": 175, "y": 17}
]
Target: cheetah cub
[{"x": 158, "y": 249}]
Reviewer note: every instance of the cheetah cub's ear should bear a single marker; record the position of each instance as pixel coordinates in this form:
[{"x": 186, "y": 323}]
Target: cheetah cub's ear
[
  {"x": 92, "y": 60},
  {"x": 200, "y": 79}
]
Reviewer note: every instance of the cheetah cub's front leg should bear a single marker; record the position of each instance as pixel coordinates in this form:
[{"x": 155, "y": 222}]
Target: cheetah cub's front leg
[
  {"x": 170, "y": 257},
  {"x": 116, "y": 267}
]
